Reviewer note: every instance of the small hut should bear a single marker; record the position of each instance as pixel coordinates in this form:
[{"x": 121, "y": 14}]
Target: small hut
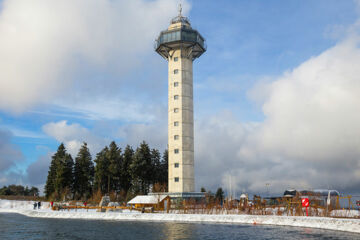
[{"x": 157, "y": 202}]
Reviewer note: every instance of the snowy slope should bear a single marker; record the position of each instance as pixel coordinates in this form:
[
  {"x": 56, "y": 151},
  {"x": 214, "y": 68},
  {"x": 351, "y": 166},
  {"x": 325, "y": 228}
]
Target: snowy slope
[{"x": 25, "y": 208}]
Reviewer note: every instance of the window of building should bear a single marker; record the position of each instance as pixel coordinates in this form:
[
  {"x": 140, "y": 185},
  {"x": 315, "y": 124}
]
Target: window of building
[
  {"x": 176, "y": 137},
  {"x": 176, "y": 110},
  {"x": 176, "y": 84},
  {"x": 176, "y": 97},
  {"x": 176, "y": 59},
  {"x": 176, "y": 123},
  {"x": 176, "y": 165},
  {"x": 176, "y": 151},
  {"x": 176, "y": 179},
  {"x": 176, "y": 71}
]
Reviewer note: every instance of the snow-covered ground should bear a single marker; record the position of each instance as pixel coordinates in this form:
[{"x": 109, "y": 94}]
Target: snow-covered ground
[{"x": 26, "y": 208}]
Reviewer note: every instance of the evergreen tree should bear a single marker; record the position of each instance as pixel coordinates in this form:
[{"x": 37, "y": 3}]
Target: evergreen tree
[
  {"x": 164, "y": 168},
  {"x": 83, "y": 173},
  {"x": 140, "y": 167},
  {"x": 125, "y": 175},
  {"x": 50, "y": 181},
  {"x": 102, "y": 171},
  {"x": 115, "y": 162},
  {"x": 64, "y": 172},
  {"x": 219, "y": 195},
  {"x": 60, "y": 174},
  {"x": 155, "y": 169}
]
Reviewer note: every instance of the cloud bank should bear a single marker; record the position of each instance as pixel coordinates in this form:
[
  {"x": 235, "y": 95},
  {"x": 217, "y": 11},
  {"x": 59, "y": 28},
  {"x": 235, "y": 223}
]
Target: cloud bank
[
  {"x": 47, "y": 47},
  {"x": 310, "y": 137}
]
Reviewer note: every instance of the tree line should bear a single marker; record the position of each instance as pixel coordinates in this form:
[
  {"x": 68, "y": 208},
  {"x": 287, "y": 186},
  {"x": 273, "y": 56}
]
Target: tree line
[
  {"x": 19, "y": 190},
  {"x": 125, "y": 172}
]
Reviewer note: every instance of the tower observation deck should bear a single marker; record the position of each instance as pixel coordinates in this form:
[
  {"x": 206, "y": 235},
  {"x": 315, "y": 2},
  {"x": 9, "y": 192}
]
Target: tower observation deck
[{"x": 180, "y": 45}]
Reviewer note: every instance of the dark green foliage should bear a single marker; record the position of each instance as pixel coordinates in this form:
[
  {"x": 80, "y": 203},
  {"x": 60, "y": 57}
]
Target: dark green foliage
[
  {"x": 155, "y": 169},
  {"x": 127, "y": 173},
  {"x": 219, "y": 195},
  {"x": 19, "y": 190},
  {"x": 115, "y": 162},
  {"x": 60, "y": 176},
  {"x": 202, "y": 189},
  {"x": 125, "y": 176},
  {"x": 164, "y": 168},
  {"x": 141, "y": 169},
  {"x": 83, "y": 173},
  {"x": 102, "y": 171}
]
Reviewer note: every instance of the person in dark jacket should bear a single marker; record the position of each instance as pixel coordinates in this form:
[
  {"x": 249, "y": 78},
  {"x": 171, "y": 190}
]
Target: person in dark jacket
[
  {"x": 35, "y": 205},
  {"x": 39, "y": 205}
]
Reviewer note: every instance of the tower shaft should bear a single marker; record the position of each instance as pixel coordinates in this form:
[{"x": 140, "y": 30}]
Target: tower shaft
[
  {"x": 181, "y": 121},
  {"x": 180, "y": 44}
]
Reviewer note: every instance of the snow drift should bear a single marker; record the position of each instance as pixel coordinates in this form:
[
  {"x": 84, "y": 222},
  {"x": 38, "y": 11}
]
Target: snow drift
[{"x": 26, "y": 208}]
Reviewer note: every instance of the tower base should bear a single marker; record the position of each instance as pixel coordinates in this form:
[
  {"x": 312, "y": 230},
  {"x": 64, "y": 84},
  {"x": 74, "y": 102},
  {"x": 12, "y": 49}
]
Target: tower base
[{"x": 184, "y": 195}]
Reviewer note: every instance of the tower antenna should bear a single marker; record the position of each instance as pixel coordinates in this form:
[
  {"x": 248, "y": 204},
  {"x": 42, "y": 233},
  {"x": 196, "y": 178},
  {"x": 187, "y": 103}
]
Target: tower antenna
[{"x": 180, "y": 9}]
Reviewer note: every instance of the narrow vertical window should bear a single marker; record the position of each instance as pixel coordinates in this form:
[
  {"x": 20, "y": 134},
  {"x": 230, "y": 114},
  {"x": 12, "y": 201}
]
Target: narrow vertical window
[
  {"x": 176, "y": 110},
  {"x": 176, "y": 151},
  {"x": 176, "y": 84},
  {"x": 176, "y": 123},
  {"x": 176, "y": 165},
  {"x": 176, "y": 59},
  {"x": 176, "y": 137},
  {"x": 176, "y": 179},
  {"x": 176, "y": 97},
  {"x": 176, "y": 71}
]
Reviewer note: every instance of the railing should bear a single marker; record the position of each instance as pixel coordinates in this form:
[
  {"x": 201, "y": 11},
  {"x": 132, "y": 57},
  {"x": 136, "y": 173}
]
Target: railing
[{"x": 180, "y": 35}]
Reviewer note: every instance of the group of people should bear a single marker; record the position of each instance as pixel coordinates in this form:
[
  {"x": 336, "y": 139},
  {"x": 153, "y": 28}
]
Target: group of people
[{"x": 37, "y": 205}]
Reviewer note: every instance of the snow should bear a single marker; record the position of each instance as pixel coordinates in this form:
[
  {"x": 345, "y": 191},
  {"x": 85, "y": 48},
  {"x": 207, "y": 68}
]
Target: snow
[
  {"x": 147, "y": 199},
  {"x": 26, "y": 208}
]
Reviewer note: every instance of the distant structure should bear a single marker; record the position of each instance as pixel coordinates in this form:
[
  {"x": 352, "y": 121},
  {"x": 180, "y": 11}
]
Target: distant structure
[{"x": 180, "y": 45}]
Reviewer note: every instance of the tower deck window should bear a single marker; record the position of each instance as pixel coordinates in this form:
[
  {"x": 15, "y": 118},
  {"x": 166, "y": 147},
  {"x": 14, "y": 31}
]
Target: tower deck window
[
  {"x": 176, "y": 137},
  {"x": 176, "y": 71},
  {"x": 176, "y": 110},
  {"x": 176, "y": 84},
  {"x": 176, "y": 97},
  {"x": 176, "y": 151},
  {"x": 176, "y": 123},
  {"x": 176, "y": 179},
  {"x": 176, "y": 165}
]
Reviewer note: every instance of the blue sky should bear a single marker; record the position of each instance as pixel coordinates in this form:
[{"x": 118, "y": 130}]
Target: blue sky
[{"x": 82, "y": 75}]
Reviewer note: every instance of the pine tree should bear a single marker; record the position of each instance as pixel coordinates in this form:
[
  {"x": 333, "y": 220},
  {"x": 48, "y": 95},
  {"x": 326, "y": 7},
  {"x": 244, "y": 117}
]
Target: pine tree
[
  {"x": 155, "y": 170},
  {"x": 50, "y": 182},
  {"x": 140, "y": 168},
  {"x": 125, "y": 175},
  {"x": 64, "y": 173},
  {"x": 60, "y": 175},
  {"x": 164, "y": 168},
  {"x": 115, "y": 162},
  {"x": 83, "y": 173},
  {"x": 219, "y": 195},
  {"x": 102, "y": 171}
]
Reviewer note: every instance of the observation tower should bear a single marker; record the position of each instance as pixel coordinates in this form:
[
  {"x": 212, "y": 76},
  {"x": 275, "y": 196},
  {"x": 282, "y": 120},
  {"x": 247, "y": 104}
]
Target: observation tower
[{"x": 180, "y": 45}]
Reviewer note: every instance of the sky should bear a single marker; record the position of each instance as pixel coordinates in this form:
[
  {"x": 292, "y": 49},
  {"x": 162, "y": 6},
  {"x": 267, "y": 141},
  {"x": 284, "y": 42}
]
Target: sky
[{"x": 276, "y": 94}]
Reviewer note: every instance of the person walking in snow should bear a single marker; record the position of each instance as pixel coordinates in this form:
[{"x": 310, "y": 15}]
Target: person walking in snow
[
  {"x": 35, "y": 205},
  {"x": 39, "y": 205}
]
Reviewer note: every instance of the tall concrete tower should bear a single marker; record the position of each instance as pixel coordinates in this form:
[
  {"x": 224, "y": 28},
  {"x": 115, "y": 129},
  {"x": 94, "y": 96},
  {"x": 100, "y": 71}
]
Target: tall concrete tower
[{"x": 180, "y": 45}]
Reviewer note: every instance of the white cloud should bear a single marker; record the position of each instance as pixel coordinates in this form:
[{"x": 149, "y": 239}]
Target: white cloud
[
  {"x": 109, "y": 109},
  {"x": 310, "y": 137},
  {"x": 73, "y": 136},
  {"x": 155, "y": 134},
  {"x": 45, "y": 44}
]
